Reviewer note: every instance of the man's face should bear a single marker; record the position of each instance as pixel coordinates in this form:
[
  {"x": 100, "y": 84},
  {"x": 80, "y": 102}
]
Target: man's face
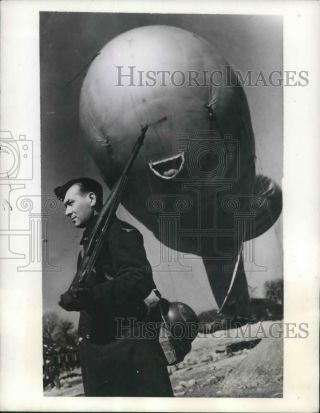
[{"x": 79, "y": 205}]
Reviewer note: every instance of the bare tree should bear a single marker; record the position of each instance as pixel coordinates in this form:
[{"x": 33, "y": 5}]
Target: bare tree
[
  {"x": 274, "y": 291},
  {"x": 58, "y": 331},
  {"x": 65, "y": 333},
  {"x": 50, "y": 322}
]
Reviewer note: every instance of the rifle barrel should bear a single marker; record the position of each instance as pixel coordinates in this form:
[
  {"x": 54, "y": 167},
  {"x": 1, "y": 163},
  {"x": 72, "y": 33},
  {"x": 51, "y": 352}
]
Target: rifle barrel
[{"x": 104, "y": 221}]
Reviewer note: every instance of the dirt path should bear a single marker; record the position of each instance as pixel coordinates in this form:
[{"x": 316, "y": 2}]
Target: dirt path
[{"x": 244, "y": 362}]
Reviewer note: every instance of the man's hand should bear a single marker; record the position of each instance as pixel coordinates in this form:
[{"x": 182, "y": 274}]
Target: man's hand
[
  {"x": 152, "y": 301},
  {"x": 77, "y": 299}
]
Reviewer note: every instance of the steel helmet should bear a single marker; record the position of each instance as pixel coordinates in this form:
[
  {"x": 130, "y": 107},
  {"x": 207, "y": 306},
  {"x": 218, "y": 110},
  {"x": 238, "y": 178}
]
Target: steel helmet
[{"x": 180, "y": 327}]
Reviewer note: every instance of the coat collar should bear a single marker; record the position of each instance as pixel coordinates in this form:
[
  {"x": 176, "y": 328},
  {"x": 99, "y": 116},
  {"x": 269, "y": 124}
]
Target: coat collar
[{"x": 88, "y": 230}]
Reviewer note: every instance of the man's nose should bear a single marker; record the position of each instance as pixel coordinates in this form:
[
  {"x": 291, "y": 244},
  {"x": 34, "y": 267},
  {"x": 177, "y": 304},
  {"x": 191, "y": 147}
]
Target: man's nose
[{"x": 68, "y": 211}]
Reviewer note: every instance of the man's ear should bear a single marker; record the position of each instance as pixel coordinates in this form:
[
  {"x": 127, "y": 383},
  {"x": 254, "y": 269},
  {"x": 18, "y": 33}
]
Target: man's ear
[{"x": 93, "y": 198}]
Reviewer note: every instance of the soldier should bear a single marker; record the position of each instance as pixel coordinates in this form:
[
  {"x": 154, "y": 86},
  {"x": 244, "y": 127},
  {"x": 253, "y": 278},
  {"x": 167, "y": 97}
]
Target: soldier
[{"x": 114, "y": 364}]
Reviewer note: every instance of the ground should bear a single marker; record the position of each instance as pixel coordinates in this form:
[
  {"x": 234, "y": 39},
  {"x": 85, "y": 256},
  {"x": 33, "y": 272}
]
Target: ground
[{"x": 245, "y": 362}]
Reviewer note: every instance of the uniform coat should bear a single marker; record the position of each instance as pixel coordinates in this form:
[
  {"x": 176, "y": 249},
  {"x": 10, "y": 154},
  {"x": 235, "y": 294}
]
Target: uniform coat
[{"x": 116, "y": 360}]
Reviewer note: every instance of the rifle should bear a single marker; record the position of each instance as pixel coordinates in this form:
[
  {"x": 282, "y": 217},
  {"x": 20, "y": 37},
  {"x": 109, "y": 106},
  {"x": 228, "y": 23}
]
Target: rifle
[{"x": 102, "y": 226}]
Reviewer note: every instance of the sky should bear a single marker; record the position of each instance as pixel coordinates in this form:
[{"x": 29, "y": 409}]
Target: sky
[{"x": 68, "y": 41}]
